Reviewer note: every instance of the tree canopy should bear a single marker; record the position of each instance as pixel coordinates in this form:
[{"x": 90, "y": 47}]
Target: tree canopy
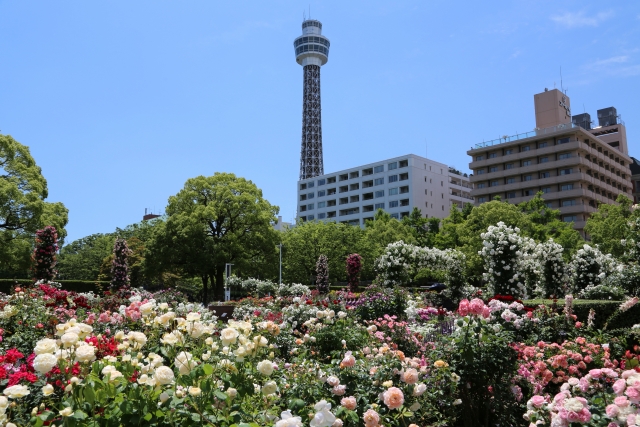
[{"x": 23, "y": 209}]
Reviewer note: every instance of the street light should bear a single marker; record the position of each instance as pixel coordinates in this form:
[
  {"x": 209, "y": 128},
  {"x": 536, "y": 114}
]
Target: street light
[{"x": 227, "y": 291}]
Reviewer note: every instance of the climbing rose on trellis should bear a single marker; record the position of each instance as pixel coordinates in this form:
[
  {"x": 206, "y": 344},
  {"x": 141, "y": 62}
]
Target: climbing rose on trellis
[
  {"x": 44, "y": 255},
  {"x": 354, "y": 267},
  {"x": 119, "y": 266},
  {"x": 322, "y": 274}
]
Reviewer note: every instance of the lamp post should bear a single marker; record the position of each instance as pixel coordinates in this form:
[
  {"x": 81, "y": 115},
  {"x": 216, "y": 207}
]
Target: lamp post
[
  {"x": 227, "y": 291},
  {"x": 280, "y": 246}
]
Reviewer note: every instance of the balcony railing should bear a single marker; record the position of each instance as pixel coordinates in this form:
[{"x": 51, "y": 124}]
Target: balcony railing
[{"x": 535, "y": 132}]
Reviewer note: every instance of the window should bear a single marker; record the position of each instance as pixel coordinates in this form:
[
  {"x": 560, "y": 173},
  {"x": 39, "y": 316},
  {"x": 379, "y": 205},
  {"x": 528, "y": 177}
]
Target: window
[
  {"x": 479, "y": 171},
  {"x": 392, "y": 166},
  {"x": 303, "y": 186},
  {"x": 367, "y": 196},
  {"x": 353, "y": 175},
  {"x": 331, "y": 214},
  {"x": 310, "y": 207},
  {"x": 492, "y": 155},
  {"x": 549, "y": 205},
  {"x": 404, "y": 176},
  {"x": 321, "y": 193},
  {"x": 543, "y": 159},
  {"x": 527, "y": 193},
  {"x": 395, "y": 215},
  {"x": 303, "y": 218},
  {"x": 511, "y": 195},
  {"x": 404, "y": 202},
  {"x": 378, "y": 181},
  {"x": 393, "y": 191},
  {"x": 482, "y": 199},
  {"x": 393, "y": 204},
  {"x": 303, "y": 197},
  {"x": 545, "y": 175},
  {"x": 494, "y": 183},
  {"x": 566, "y": 171},
  {"x": 546, "y": 190},
  {"x": 525, "y": 148},
  {"x": 344, "y": 200},
  {"x": 310, "y": 195},
  {"x": 343, "y": 177},
  {"x": 404, "y": 163},
  {"x": 564, "y": 156},
  {"x": 481, "y": 185},
  {"x": 379, "y": 194},
  {"x": 563, "y": 140},
  {"x": 393, "y": 178},
  {"x": 508, "y": 151},
  {"x": 379, "y": 206},
  {"x": 331, "y": 180},
  {"x": 343, "y": 189},
  {"x": 349, "y": 211},
  {"x": 508, "y": 166},
  {"x": 566, "y": 187},
  {"x": 368, "y": 208},
  {"x": 367, "y": 184},
  {"x": 322, "y": 215},
  {"x": 321, "y": 182},
  {"x": 353, "y": 187},
  {"x": 526, "y": 163},
  {"x": 542, "y": 144},
  {"x": 478, "y": 158},
  {"x": 510, "y": 181},
  {"x": 570, "y": 218},
  {"x": 366, "y": 172},
  {"x": 568, "y": 203},
  {"x": 378, "y": 169},
  {"x": 354, "y": 199},
  {"x": 322, "y": 205},
  {"x": 311, "y": 184},
  {"x": 303, "y": 208},
  {"x": 404, "y": 189},
  {"x": 493, "y": 169},
  {"x": 310, "y": 218},
  {"x": 331, "y": 191},
  {"x": 331, "y": 203},
  {"x": 527, "y": 178}
]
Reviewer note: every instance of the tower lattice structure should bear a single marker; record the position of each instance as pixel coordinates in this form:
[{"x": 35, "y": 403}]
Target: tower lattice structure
[{"x": 312, "y": 52}]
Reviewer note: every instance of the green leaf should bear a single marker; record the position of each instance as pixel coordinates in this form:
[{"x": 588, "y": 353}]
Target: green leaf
[
  {"x": 89, "y": 395},
  {"x": 207, "y": 369},
  {"x": 148, "y": 417},
  {"x": 79, "y": 415}
]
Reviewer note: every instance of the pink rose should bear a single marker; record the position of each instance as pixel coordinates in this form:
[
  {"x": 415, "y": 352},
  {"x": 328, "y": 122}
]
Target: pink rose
[
  {"x": 486, "y": 312},
  {"x": 410, "y": 376},
  {"x": 475, "y": 306},
  {"x": 537, "y": 401},
  {"x": 463, "y": 307},
  {"x": 393, "y": 398},
  {"x": 633, "y": 394},
  {"x": 578, "y": 325},
  {"x": 619, "y": 386},
  {"x": 621, "y": 401},
  {"x": 371, "y": 418},
  {"x": 612, "y": 411},
  {"x": 339, "y": 390},
  {"x": 348, "y": 360},
  {"x": 595, "y": 373},
  {"x": 349, "y": 403}
]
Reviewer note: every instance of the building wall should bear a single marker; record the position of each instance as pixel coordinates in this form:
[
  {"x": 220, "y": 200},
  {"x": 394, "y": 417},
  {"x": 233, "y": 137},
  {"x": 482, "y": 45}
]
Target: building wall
[{"x": 396, "y": 185}]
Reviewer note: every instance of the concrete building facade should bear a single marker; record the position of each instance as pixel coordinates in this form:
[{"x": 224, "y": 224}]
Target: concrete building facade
[
  {"x": 575, "y": 166},
  {"x": 395, "y": 185}
]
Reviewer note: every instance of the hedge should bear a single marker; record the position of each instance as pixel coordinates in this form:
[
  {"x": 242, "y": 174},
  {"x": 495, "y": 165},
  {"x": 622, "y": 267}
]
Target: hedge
[
  {"x": 604, "y": 309},
  {"x": 6, "y": 285}
]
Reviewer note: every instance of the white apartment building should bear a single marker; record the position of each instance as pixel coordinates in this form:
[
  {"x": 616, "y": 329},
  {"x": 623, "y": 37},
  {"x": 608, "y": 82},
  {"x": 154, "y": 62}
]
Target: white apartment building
[{"x": 396, "y": 185}]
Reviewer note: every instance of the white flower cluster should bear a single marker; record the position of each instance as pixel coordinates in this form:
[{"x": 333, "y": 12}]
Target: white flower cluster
[
  {"x": 505, "y": 253},
  {"x": 546, "y": 270},
  {"x": 294, "y": 289},
  {"x": 590, "y": 267},
  {"x": 401, "y": 261}
]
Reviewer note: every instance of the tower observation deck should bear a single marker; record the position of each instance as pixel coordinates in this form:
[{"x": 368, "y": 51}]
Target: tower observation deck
[{"x": 312, "y": 52}]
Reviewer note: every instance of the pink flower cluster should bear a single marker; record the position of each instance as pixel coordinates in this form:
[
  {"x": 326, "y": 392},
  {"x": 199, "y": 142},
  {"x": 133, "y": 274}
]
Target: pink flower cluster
[
  {"x": 108, "y": 317},
  {"x": 474, "y": 307},
  {"x": 566, "y": 410},
  {"x": 625, "y": 407}
]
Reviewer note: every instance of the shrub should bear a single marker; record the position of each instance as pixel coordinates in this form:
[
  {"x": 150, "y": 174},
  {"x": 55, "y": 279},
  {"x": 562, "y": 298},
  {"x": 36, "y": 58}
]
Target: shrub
[
  {"x": 322, "y": 275},
  {"x": 354, "y": 267},
  {"x": 44, "y": 254},
  {"x": 119, "y": 266},
  {"x": 293, "y": 290}
]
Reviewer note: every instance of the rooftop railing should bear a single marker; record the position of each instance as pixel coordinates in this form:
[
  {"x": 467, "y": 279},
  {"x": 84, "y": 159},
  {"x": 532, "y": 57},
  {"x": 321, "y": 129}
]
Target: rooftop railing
[{"x": 535, "y": 132}]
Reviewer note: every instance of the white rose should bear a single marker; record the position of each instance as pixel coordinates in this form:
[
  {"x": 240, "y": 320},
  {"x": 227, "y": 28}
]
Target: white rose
[
  {"x": 46, "y": 345},
  {"x": 47, "y": 390},
  {"x": 147, "y": 308},
  {"x": 419, "y": 389},
  {"x": 164, "y": 375},
  {"x": 228, "y": 336},
  {"x": 269, "y": 388},
  {"x": 164, "y": 397},
  {"x": 185, "y": 363},
  {"x": 66, "y": 412},
  {"x": 265, "y": 367},
  {"x": 85, "y": 354},
  {"x": 195, "y": 391},
  {"x": 69, "y": 339},
  {"x": 232, "y": 392},
  {"x": 169, "y": 339},
  {"x": 16, "y": 391},
  {"x": 43, "y": 363}
]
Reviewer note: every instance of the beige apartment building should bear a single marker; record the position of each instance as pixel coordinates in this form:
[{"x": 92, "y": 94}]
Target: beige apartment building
[{"x": 577, "y": 167}]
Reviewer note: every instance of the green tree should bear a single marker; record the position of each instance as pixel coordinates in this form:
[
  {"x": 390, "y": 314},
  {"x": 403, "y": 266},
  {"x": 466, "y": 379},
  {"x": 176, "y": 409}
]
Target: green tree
[
  {"x": 384, "y": 230},
  {"x": 304, "y": 243},
  {"x": 82, "y": 258},
  {"x": 609, "y": 225},
  {"x": 213, "y": 221},
  {"x": 420, "y": 229},
  {"x": 23, "y": 210},
  {"x": 448, "y": 236}
]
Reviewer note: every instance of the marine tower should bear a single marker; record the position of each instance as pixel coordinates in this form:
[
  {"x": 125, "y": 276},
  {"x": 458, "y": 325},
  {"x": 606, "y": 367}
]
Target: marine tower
[{"x": 312, "y": 52}]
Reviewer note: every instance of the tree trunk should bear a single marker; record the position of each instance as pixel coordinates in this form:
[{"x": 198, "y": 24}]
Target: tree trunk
[{"x": 205, "y": 282}]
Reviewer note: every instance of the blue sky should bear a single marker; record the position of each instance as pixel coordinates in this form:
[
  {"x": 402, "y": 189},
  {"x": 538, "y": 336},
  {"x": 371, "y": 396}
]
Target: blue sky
[{"x": 121, "y": 102}]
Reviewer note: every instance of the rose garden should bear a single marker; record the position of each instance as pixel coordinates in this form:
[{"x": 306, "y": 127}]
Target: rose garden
[{"x": 527, "y": 323}]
